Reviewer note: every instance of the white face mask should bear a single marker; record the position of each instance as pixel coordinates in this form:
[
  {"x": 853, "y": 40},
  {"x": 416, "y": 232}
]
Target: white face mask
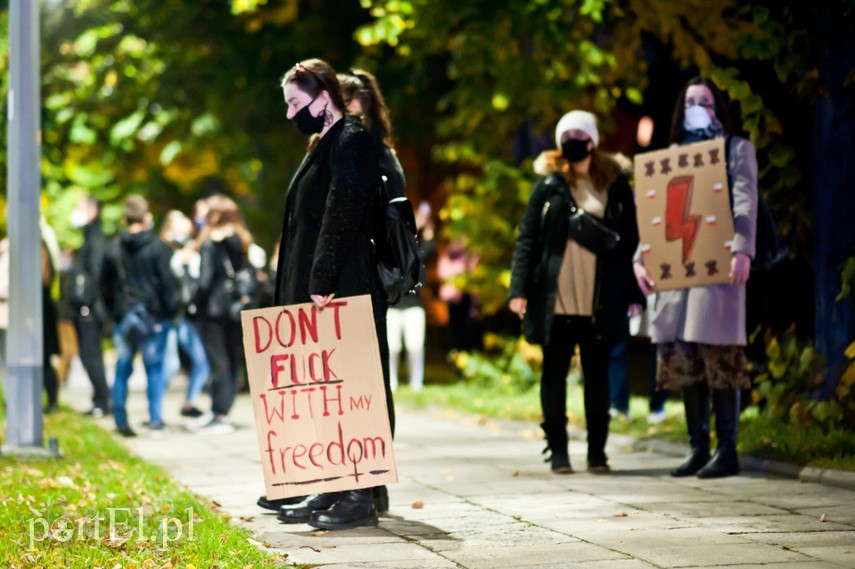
[
  {"x": 696, "y": 118},
  {"x": 79, "y": 218}
]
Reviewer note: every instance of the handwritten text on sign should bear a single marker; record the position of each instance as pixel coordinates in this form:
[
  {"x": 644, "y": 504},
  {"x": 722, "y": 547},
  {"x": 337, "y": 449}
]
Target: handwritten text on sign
[
  {"x": 684, "y": 218},
  {"x": 316, "y": 384}
]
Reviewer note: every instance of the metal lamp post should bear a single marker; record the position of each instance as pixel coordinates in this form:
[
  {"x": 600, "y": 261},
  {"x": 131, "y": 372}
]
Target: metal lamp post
[{"x": 23, "y": 378}]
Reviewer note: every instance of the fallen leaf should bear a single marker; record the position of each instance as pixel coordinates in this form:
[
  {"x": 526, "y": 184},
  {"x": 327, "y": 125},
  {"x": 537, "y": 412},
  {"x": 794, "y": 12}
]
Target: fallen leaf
[
  {"x": 823, "y": 518},
  {"x": 620, "y": 514},
  {"x": 265, "y": 544},
  {"x": 247, "y": 518},
  {"x": 318, "y": 533},
  {"x": 417, "y": 505},
  {"x": 515, "y": 473},
  {"x": 517, "y": 518},
  {"x": 65, "y": 481}
]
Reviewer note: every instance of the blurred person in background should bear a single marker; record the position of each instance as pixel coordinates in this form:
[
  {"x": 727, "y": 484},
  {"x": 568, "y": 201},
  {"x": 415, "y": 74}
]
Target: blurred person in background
[
  {"x": 83, "y": 294},
  {"x": 224, "y": 248},
  {"x": 183, "y": 336}
]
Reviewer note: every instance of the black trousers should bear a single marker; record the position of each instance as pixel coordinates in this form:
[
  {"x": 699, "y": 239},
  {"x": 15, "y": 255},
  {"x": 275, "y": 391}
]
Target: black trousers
[
  {"x": 89, "y": 335},
  {"x": 567, "y": 331},
  {"x": 223, "y": 341}
]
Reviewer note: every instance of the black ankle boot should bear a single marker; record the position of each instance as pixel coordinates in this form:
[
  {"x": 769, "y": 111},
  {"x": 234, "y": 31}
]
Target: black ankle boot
[
  {"x": 696, "y": 400},
  {"x": 381, "y": 500},
  {"x": 556, "y": 446},
  {"x": 274, "y": 505},
  {"x": 301, "y": 512},
  {"x": 355, "y": 508},
  {"x": 725, "y": 462}
]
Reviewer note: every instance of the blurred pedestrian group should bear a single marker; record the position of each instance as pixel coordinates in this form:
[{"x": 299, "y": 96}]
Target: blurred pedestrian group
[{"x": 173, "y": 297}]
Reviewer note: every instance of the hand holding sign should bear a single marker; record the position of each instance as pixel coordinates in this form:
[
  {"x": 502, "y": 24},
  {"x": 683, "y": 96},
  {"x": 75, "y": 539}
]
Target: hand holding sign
[
  {"x": 317, "y": 390},
  {"x": 684, "y": 220}
]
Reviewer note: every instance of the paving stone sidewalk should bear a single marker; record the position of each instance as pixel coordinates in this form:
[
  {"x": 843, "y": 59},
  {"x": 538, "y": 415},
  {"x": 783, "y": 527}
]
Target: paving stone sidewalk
[{"x": 475, "y": 494}]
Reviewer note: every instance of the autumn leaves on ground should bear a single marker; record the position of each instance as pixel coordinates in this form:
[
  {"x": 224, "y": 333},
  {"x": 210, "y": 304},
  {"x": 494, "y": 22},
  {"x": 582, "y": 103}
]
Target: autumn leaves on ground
[{"x": 98, "y": 506}]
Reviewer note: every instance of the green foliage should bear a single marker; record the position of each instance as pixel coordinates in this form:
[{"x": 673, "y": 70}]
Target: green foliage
[
  {"x": 783, "y": 386},
  {"x": 804, "y": 444},
  {"x": 847, "y": 278},
  {"x": 508, "y": 365},
  {"x": 520, "y": 65},
  {"x": 160, "y": 97}
]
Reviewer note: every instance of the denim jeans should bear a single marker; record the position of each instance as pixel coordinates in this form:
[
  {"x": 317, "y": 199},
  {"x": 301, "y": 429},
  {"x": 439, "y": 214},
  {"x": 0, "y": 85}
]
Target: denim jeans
[
  {"x": 183, "y": 335},
  {"x": 152, "y": 349}
]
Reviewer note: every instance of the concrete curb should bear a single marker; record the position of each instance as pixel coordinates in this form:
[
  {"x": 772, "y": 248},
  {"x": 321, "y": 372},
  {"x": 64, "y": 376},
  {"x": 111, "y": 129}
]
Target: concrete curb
[{"x": 837, "y": 478}]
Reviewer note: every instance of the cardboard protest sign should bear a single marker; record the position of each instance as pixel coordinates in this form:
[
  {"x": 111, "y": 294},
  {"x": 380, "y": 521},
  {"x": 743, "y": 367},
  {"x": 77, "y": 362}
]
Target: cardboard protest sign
[
  {"x": 317, "y": 391},
  {"x": 685, "y": 222}
]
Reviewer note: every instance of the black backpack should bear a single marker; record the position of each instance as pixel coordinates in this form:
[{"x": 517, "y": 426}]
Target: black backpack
[
  {"x": 769, "y": 249},
  {"x": 399, "y": 265}
]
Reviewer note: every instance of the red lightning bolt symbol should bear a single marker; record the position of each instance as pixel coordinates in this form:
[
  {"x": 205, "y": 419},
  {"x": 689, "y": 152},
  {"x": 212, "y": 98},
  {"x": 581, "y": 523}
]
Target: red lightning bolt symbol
[{"x": 678, "y": 223}]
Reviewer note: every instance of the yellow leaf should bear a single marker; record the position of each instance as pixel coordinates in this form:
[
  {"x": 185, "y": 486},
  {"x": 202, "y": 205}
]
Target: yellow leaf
[{"x": 850, "y": 351}]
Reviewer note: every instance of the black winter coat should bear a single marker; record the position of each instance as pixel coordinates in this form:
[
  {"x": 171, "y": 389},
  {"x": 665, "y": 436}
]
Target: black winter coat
[
  {"x": 136, "y": 270},
  {"x": 90, "y": 260},
  {"x": 540, "y": 250},
  {"x": 213, "y": 299},
  {"x": 330, "y": 212}
]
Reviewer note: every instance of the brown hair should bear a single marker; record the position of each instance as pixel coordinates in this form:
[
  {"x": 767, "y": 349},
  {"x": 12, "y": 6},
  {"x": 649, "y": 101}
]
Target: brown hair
[
  {"x": 223, "y": 212},
  {"x": 172, "y": 220},
  {"x": 722, "y": 109},
  {"x": 136, "y": 208},
  {"x": 362, "y": 86},
  {"x": 313, "y": 76}
]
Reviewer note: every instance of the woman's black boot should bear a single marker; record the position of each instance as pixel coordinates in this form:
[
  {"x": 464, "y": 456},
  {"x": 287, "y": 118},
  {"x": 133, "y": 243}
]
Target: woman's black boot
[
  {"x": 696, "y": 400},
  {"x": 725, "y": 461},
  {"x": 381, "y": 500},
  {"x": 355, "y": 508},
  {"x": 556, "y": 446}
]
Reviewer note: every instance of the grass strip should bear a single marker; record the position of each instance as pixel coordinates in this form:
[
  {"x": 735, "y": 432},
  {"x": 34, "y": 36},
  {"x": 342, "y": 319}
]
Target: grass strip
[
  {"x": 759, "y": 434},
  {"x": 100, "y": 506}
]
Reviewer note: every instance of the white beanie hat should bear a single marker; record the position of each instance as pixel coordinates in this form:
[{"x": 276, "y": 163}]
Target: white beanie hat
[{"x": 578, "y": 120}]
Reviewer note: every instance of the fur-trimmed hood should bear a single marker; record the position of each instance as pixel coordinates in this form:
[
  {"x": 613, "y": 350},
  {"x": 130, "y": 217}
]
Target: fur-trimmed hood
[{"x": 550, "y": 161}]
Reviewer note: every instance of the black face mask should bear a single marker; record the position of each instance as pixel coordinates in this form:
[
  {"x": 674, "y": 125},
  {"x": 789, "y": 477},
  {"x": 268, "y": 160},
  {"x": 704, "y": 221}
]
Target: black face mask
[
  {"x": 575, "y": 150},
  {"x": 306, "y": 123}
]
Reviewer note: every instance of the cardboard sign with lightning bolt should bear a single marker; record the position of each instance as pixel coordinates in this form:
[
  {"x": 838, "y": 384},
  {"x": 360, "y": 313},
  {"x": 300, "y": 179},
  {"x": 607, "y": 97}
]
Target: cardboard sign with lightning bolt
[{"x": 684, "y": 218}]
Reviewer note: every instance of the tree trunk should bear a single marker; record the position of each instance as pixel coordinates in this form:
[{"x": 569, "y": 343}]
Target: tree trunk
[{"x": 833, "y": 176}]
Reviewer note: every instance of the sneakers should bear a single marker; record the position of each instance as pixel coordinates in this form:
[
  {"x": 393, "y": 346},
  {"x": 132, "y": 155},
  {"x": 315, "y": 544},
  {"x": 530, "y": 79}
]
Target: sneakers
[
  {"x": 96, "y": 413},
  {"x": 615, "y": 413},
  {"x": 218, "y": 426},
  {"x": 199, "y": 422},
  {"x": 192, "y": 412},
  {"x": 656, "y": 417},
  {"x": 126, "y": 431},
  {"x": 154, "y": 425}
]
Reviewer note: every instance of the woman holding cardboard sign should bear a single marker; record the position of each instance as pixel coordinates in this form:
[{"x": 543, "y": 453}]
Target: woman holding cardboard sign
[
  {"x": 572, "y": 278},
  {"x": 325, "y": 249},
  {"x": 700, "y": 331}
]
